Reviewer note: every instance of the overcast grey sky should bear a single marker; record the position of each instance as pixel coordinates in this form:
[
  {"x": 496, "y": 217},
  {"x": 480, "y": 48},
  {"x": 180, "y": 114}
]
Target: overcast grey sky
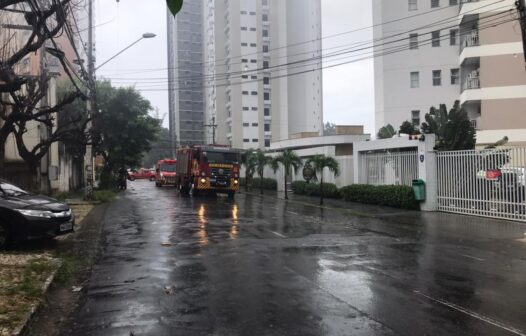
[{"x": 348, "y": 89}]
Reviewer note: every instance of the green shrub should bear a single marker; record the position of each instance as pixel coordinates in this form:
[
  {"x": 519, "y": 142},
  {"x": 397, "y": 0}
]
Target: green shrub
[
  {"x": 390, "y": 195},
  {"x": 313, "y": 189},
  {"x": 268, "y": 184},
  {"x": 298, "y": 187}
]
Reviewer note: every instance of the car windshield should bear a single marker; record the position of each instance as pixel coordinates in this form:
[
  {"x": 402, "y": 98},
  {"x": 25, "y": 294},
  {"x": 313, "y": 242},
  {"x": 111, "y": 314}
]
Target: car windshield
[
  {"x": 11, "y": 190},
  {"x": 221, "y": 157},
  {"x": 165, "y": 167}
]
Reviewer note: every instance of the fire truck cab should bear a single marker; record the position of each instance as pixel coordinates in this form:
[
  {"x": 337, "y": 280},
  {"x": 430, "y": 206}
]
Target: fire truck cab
[
  {"x": 165, "y": 172},
  {"x": 211, "y": 168}
]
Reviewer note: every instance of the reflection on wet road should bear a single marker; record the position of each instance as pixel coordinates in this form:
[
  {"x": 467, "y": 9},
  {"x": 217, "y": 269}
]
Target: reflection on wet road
[{"x": 176, "y": 265}]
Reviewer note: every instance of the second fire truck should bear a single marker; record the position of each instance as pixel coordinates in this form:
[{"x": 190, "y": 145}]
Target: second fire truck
[{"x": 212, "y": 168}]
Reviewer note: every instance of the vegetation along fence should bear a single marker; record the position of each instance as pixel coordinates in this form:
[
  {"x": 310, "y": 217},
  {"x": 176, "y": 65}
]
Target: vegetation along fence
[
  {"x": 489, "y": 183},
  {"x": 389, "y": 168}
]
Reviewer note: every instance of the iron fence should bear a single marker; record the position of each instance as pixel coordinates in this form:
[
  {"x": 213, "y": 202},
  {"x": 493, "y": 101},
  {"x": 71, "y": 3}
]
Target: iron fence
[
  {"x": 489, "y": 183},
  {"x": 389, "y": 168}
]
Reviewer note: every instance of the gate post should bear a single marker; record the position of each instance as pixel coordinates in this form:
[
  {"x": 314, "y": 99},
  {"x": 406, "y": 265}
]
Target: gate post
[{"x": 427, "y": 171}]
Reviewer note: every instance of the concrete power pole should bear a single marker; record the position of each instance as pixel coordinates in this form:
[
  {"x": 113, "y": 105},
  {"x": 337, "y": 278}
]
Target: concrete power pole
[
  {"x": 521, "y": 8},
  {"x": 170, "y": 22},
  {"x": 89, "y": 169},
  {"x": 43, "y": 178}
]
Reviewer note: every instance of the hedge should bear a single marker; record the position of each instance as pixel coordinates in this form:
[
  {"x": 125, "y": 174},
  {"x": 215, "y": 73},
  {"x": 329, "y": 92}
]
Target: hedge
[
  {"x": 313, "y": 189},
  {"x": 255, "y": 182},
  {"x": 389, "y": 195}
]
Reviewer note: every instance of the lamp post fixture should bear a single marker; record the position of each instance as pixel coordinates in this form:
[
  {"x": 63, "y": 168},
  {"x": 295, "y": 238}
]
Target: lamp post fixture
[{"x": 89, "y": 157}]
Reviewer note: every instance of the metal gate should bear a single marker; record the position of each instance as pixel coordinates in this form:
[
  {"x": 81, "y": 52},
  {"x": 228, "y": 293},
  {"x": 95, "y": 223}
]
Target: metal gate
[{"x": 489, "y": 183}]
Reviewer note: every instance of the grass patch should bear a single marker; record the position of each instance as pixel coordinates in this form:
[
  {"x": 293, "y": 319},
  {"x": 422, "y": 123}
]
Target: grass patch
[
  {"x": 22, "y": 278},
  {"x": 70, "y": 267},
  {"x": 104, "y": 195}
]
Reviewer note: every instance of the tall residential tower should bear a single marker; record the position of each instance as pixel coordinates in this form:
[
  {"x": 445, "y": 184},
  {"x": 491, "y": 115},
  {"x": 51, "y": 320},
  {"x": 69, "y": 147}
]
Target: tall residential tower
[{"x": 262, "y": 62}]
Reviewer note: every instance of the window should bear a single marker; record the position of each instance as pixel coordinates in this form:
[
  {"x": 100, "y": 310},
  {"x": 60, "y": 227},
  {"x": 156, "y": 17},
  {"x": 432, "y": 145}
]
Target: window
[
  {"x": 267, "y": 142},
  {"x": 243, "y": 28},
  {"x": 267, "y": 127},
  {"x": 266, "y": 96},
  {"x": 254, "y": 93},
  {"x": 246, "y": 140},
  {"x": 252, "y": 29},
  {"x": 435, "y": 38},
  {"x": 265, "y": 64},
  {"x": 243, "y": 12},
  {"x": 435, "y": 3},
  {"x": 265, "y": 48},
  {"x": 253, "y": 61},
  {"x": 415, "y": 79},
  {"x": 265, "y": 17},
  {"x": 413, "y": 5},
  {"x": 253, "y": 45},
  {"x": 253, "y": 77},
  {"x": 255, "y": 124},
  {"x": 255, "y": 140},
  {"x": 244, "y": 92},
  {"x": 415, "y": 117},
  {"x": 246, "y": 124},
  {"x": 245, "y": 108},
  {"x": 244, "y": 76},
  {"x": 437, "y": 77},
  {"x": 265, "y": 33},
  {"x": 455, "y": 76},
  {"x": 252, "y": 13},
  {"x": 413, "y": 41},
  {"x": 244, "y": 60},
  {"x": 254, "y": 109},
  {"x": 244, "y": 44},
  {"x": 265, "y": 2},
  {"x": 266, "y": 112},
  {"x": 453, "y": 2},
  {"x": 266, "y": 80},
  {"x": 453, "y": 36}
]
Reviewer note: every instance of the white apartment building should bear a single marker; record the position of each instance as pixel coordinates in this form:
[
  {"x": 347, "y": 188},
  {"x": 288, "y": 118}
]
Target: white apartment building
[
  {"x": 263, "y": 79},
  {"x": 450, "y": 50}
]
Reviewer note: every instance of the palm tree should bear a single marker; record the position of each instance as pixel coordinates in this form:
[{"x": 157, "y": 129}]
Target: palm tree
[
  {"x": 261, "y": 161},
  {"x": 248, "y": 158},
  {"x": 289, "y": 159},
  {"x": 319, "y": 163}
]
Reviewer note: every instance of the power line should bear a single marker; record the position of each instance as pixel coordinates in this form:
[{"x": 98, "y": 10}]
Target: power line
[
  {"x": 292, "y": 65},
  {"x": 399, "y": 49},
  {"x": 336, "y": 35}
]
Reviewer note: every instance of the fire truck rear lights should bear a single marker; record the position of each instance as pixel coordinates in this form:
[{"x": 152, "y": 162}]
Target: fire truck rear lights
[{"x": 493, "y": 174}]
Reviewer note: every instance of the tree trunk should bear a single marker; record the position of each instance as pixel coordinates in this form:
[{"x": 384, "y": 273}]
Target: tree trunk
[
  {"x": 246, "y": 180},
  {"x": 286, "y": 192},
  {"x": 321, "y": 189},
  {"x": 261, "y": 184}
]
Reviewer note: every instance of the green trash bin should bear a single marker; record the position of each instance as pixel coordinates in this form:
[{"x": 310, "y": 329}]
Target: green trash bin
[{"x": 419, "y": 189}]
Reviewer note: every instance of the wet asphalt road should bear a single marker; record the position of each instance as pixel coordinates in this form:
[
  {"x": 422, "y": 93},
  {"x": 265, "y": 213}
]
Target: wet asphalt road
[{"x": 259, "y": 266}]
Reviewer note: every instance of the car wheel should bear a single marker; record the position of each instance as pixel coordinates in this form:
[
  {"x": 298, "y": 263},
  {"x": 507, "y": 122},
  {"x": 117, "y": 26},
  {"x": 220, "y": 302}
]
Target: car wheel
[
  {"x": 152, "y": 178},
  {"x": 4, "y": 236},
  {"x": 132, "y": 178}
]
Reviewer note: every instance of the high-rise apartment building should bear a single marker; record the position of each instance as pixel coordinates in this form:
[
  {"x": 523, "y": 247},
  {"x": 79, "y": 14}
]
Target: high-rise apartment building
[
  {"x": 263, "y": 77},
  {"x": 185, "y": 74},
  {"x": 430, "y": 52}
]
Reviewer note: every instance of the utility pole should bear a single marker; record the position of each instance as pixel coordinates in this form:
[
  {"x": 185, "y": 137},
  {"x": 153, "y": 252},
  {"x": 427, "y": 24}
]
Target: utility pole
[
  {"x": 89, "y": 169},
  {"x": 521, "y": 8},
  {"x": 212, "y": 125},
  {"x": 44, "y": 129}
]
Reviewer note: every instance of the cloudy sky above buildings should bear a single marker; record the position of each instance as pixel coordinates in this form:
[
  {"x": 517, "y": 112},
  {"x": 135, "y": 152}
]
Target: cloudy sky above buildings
[{"x": 348, "y": 89}]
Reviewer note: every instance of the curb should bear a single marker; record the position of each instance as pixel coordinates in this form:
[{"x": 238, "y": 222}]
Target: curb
[{"x": 20, "y": 330}]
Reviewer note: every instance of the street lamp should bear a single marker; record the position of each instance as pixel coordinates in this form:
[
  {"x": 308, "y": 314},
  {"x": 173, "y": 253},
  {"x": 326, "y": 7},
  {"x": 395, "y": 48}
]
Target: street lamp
[{"x": 144, "y": 36}]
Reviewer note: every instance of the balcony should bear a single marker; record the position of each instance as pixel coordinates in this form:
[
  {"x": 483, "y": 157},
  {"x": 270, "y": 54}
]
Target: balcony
[
  {"x": 472, "y": 82},
  {"x": 471, "y": 39}
]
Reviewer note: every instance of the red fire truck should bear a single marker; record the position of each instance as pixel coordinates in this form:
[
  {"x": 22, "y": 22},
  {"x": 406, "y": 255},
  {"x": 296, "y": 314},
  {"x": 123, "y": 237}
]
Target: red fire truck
[
  {"x": 212, "y": 168},
  {"x": 165, "y": 172}
]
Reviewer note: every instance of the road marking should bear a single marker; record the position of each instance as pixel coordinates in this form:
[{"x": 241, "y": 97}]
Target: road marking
[
  {"x": 294, "y": 213},
  {"x": 472, "y": 257},
  {"x": 278, "y": 234},
  {"x": 473, "y": 314}
]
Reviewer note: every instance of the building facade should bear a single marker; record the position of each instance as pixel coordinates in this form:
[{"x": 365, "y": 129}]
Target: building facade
[
  {"x": 263, "y": 79},
  {"x": 431, "y": 52},
  {"x": 185, "y": 74}
]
